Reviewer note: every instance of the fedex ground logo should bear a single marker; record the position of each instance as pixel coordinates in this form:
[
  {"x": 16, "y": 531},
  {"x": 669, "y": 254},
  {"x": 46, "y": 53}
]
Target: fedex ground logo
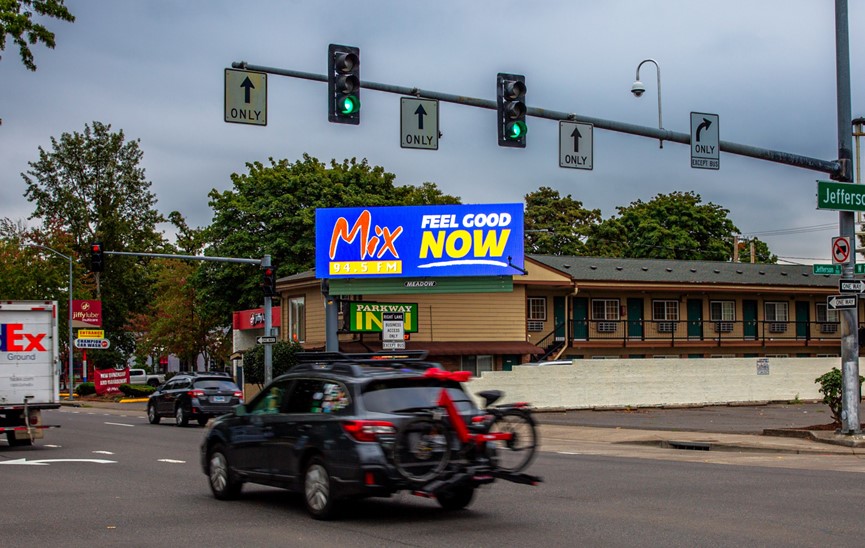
[{"x": 13, "y": 338}]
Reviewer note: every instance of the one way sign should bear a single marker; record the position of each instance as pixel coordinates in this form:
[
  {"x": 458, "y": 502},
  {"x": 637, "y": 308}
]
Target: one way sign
[
  {"x": 851, "y": 286},
  {"x": 839, "y": 302}
]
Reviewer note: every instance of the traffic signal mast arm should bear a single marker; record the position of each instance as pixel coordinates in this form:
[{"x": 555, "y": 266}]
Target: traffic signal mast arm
[
  {"x": 190, "y": 257},
  {"x": 831, "y": 167}
]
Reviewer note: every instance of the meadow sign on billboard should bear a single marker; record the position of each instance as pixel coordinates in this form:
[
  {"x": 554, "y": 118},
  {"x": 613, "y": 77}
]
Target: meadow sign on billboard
[{"x": 415, "y": 241}]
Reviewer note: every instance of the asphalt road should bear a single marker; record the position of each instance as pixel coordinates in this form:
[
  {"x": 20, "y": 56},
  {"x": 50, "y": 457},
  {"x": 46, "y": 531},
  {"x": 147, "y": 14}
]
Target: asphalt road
[{"x": 153, "y": 493}]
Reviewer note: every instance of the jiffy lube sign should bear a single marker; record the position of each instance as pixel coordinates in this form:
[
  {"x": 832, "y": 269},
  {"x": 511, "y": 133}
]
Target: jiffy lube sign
[{"x": 412, "y": 241}]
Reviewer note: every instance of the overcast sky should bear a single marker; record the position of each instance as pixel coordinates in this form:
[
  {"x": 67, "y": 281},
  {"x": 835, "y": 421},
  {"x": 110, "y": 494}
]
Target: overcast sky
[{"x": 155, "y": 69}]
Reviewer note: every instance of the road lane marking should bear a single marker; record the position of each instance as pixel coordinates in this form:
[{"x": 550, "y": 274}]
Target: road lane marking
[
  {"x": 172, "y": 461},
  {"x": 120, "y": 424},
  {"x": 46, "y": 462},
  {"x": 103, "y": 452}
]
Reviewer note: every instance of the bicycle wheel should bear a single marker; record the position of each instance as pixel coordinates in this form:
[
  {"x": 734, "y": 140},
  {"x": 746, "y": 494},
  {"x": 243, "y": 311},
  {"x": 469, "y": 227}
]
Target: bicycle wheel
[
  {"x": 422, "y": 450},
  {"x": 515, "y": 454}
]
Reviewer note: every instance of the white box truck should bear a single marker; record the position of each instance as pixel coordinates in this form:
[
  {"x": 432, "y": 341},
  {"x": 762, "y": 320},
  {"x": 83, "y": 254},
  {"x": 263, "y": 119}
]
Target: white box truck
[{"x": 29, "y": 368}]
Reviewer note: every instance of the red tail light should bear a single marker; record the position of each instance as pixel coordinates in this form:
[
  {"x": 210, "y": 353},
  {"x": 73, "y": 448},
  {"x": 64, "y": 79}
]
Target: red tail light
[
  {"x": 238, "y": 394},
  {"x": 195, "y": 393},
  {"x": 368, "y": 430}
]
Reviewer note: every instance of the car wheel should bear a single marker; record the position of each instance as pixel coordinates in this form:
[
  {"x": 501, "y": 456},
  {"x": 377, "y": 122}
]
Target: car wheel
[
  {"x": 152, "y": 416},
  {"x": 456, "y": 499},
  {"x": 202, "y": 420},
  {"x": 153, "y": 382},
  {"x": 180, "y": 416},
  {"x": 317, "y": 490},
  {"x": 223, "y": 483}
]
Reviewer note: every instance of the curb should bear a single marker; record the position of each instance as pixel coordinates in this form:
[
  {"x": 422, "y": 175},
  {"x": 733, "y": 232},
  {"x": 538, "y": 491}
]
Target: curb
[{"x": 833, "y": 438}]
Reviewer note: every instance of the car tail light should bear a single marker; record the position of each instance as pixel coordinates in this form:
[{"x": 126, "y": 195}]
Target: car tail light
[
  {"x": 238, "y": 394},
  {"x": 195, "y": 393},
  {"x": 363, "y": 430}
]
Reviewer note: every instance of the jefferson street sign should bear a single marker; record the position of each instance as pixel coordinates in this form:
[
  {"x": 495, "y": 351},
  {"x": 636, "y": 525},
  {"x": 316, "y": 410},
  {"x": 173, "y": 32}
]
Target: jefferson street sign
[
  {"x": 246, "y": 97},
  {"x": 839, "y": 302},
  {"x": 840, "y": 196},
  {"x": 705, "y": 141},
  {"x": 829, "y": 269},
  {"x": 419, "y": 123}
]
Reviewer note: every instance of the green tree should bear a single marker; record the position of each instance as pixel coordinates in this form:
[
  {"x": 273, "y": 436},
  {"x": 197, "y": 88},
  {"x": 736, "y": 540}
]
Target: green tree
[
  {"x": 556, "y": 225},
  {"x": 271, "y": 211},
  {"x": 16, "y": 20},
  {"x": 282, "y": 360},
  {"x": 91, "y": 186},
  {"x": 670, "y": 226},
  {"x": 761, "y": 253}
]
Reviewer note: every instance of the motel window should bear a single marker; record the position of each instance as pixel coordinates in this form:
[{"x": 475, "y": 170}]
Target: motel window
[
  {"x": 537, "y": 308},
  {"x": 777, "y": 311},
  {"x": 665, "y": 310},
  {"x": 296, "y": 319},
  {"x": 476, "y": 364},
  {"x": 825, "y": 315},
  {"x": 722, "y": 311},
  {"x": 605, "y": 309},
  {"x": 722, "y": 314}
]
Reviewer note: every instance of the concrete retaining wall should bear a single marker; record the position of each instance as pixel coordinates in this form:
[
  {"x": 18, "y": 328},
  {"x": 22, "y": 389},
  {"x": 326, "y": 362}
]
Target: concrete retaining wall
[{"x": 590, "y": 384}]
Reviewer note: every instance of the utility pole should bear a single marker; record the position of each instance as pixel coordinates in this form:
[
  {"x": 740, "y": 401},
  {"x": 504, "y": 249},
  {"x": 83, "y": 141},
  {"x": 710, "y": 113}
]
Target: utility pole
[{"x": 850, "y": 390}]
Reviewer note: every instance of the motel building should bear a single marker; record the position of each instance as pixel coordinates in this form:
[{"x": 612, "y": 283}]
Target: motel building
[
  {"x": 581, "y": 307},
  {"x": 499, "y": 308}
]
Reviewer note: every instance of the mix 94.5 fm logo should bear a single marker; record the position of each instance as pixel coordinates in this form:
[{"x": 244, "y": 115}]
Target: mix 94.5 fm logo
[{"x": 469, "y": 240}]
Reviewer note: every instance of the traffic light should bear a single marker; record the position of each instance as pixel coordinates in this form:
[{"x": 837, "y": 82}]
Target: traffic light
[
  {"x": 269, "y": 281},
  {"x": 343, "y": 84},
  {"x": 96, "y": 263},
  {"x": 511, "y": 103}
]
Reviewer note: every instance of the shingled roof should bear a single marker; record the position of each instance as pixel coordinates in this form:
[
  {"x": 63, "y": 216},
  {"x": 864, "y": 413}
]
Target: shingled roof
[{"x": 690, "y": 272}]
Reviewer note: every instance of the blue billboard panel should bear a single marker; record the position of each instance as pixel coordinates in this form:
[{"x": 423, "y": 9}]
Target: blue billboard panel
[{"x": 406, "y": 241}]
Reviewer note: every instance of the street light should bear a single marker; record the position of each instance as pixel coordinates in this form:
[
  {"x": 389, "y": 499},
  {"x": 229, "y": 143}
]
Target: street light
[
  {"x": 638, "y": 89},
  {"x": 70, "y": 381}
]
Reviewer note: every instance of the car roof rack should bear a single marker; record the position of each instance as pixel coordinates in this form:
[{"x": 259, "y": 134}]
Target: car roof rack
[{"x": 352, "y": 363}]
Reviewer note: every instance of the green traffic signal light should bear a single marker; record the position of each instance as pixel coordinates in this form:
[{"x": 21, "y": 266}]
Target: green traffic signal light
[
  {"x": 516, "y": 130},
  {"x": 349, "y": 105}
]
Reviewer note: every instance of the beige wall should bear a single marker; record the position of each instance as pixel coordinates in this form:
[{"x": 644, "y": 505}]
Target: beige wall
[{"x": 653, "y": 382}]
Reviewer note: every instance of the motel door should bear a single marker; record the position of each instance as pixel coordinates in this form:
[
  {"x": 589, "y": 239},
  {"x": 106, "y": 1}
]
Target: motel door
[{"x": 635, "y": 318}]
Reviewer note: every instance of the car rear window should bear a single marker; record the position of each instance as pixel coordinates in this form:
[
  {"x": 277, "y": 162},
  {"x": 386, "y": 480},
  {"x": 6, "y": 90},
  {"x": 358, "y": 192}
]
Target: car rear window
[
  {"x": 215, "y": 384},
  {"x": 392, "y": 395}
]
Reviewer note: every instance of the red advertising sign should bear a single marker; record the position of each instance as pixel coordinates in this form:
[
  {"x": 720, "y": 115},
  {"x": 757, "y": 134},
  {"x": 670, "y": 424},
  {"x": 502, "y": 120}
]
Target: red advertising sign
[
  {"x": 86, "y": 313},
  {"x": 254, "y": 319},
  {"x": 108, "y": 381}
]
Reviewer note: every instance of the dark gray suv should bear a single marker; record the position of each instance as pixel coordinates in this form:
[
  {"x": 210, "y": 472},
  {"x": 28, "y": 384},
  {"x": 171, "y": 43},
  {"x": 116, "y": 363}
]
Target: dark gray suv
[
  {"x": 198, "y": 397},
  {"x": 328, "y": 429}
]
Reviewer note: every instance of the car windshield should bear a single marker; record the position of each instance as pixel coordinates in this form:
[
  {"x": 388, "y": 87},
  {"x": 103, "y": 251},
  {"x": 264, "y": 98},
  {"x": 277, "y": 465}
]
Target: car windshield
[
  {"x": 215, "y": 384},
  {"x": 393, "y": 395}
]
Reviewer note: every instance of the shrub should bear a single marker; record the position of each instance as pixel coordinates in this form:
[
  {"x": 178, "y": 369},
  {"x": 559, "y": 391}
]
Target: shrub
[
  {"x": 831, "y": 387},
  {"x": 85, "y": 389},
  {"x": 136, "y": 390},
  {"x": 282, "y": 360}
]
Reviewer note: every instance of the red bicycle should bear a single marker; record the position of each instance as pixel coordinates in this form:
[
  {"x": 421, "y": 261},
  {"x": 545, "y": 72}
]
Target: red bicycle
[{"x": 500, "y": 442}]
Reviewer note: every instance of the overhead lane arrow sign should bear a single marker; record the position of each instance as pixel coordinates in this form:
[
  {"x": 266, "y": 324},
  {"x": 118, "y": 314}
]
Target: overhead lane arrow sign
[
  {"x": 575, "y": 145},
  {"x": 419, "y": 123}
]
